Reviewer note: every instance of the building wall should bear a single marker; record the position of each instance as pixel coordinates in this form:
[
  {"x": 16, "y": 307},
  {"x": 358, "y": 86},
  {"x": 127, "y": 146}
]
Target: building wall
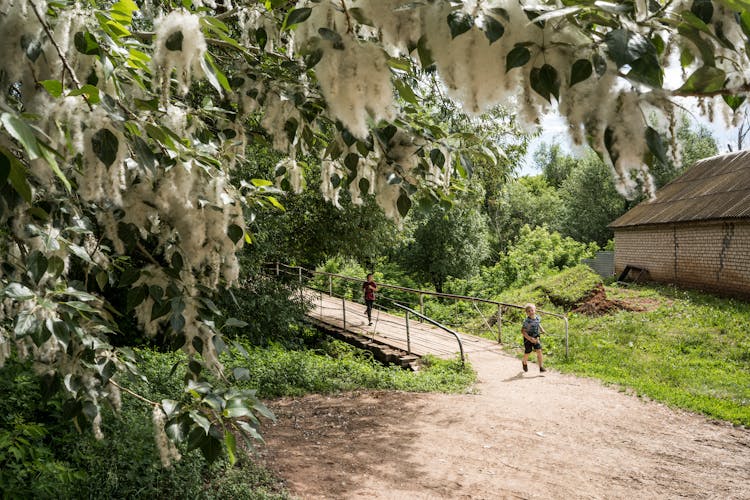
[
  {"x": 603, "y": 263},
  {"x": 711, "y": 256}
]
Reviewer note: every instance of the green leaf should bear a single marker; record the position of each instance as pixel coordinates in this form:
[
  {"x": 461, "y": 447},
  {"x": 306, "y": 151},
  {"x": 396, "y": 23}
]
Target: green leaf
[
  {"x": 32, "y": 46},
  {"x": 625, "y": 46},
  {"x": 19, "y": 292},
  {"x": 21, "y": 132},
  {"x": 580, "y": 71},
  {"x": 16, "y": 174},
  {"x": 705, "y": 48},
  {"x": 135, "y": 297},
  {"x": 705, "y": 79},
  {"x": 216, "y": 78},
  {"x": 231, "y": 445},
  {"x": 686, "y": 57},
  {"x": 37, "y": 265},
  {"x": 351, "y": 161},
  {"x": 27, "y": 323},
  {"x": 235, "y": 233},
  {"x": 200, "y": 420},
  {"x": 545, "y": 82},
  {"x": 656, "y": 145},
  {"x": 459, "y": 22},
  {"x": 122, "y": 11},
  {"x": 159, "y": 309},
  {"x": 53, "y": 87},
  {"x": 235, "y": 323},
  {"x": 734, "y": 101},
  {"x": 437, "y": 158},
  {"x": 703, "y": 9},
  {"x": 406, "y": 92},
  {"x": 403, "y": 204},
  {"x": 177, "y": 322},
  {"x": 241, "y": 373},
  {"x": 517, "y": 57},
  {"x": 492, "y": 28},
  {"x": 102, "y": 278},
  {"x": 169, "y": 406},
  {"x": 105, "y": 145},
  {"x": 55, "y": 266},
  {"x": 86, "y": 43},
  {"x": 296, "y": 16},
  {"x": 174, "y": 41},
  {"x": 647, "y": 70},
  {"x": 744, "y": 20}
]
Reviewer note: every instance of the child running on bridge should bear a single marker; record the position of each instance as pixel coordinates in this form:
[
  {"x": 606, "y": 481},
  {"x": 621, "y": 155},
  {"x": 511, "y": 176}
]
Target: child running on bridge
[
  {"x": 369, "y": 288},
  {"x": 531, "y": 328}
]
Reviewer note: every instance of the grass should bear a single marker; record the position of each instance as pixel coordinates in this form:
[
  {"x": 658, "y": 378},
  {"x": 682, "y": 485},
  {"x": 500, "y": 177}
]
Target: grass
[
  {"x": 336, "y": 366},
  {"x": 688, "y": 349}
]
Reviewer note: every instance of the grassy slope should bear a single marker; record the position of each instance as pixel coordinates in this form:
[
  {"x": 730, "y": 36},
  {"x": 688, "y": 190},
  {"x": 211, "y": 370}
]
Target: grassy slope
[{"x": 688, "y": 349}]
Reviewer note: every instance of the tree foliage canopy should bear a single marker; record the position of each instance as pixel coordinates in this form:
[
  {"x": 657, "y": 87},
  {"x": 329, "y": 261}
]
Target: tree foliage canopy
[{"x": 121, "y": 122}]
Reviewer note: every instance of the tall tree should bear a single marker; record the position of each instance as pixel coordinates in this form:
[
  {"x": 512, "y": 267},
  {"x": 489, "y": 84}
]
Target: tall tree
[
  {"x": 590, "y": 201},
  {"x": 447, "y": 241},
  {"x": 525, "y": 201}
]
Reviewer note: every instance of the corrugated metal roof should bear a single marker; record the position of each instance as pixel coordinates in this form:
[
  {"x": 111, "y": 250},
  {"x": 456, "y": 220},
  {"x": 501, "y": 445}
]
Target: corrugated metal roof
[{"x": 713, "y": 188}]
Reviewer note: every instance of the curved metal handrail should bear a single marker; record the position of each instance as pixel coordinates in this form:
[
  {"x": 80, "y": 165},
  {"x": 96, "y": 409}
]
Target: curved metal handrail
[{"x": 432, "y": 321}]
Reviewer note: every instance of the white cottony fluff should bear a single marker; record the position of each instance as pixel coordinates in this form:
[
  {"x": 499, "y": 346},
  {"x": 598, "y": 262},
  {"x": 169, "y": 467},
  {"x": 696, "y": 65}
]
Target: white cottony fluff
[{"x": 178, "y": 25}]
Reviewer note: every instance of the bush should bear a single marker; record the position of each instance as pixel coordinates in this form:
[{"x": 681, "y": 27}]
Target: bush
[{"x": 43, "y": 456}]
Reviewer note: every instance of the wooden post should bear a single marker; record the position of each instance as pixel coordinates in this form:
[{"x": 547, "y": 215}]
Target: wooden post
[
  {"x": 408, "y": 339},
  {"x": 330, "y": 285},
  {"x": 499, "y": 324},
  {"x": 421, "y": 306},
  {"x": 277, "y": 268},
  {"x": 343, "y": 310}
]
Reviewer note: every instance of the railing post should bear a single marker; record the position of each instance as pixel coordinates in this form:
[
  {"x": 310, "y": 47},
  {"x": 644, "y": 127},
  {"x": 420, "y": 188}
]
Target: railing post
[
  {"x": 343, "y": 310},
  {"x": 330, "y": 285},
  {"x": 499, "y": 324},
  {"x": 277, "y": 268},
  {"x": 566, "y": 336},
  {"x": 408, "y": 338},
  {"x": 300, "y": 275},
  {"x": 421, "y": 306}
]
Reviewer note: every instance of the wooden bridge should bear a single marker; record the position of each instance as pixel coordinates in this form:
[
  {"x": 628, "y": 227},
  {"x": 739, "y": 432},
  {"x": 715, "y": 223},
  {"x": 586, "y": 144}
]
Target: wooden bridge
[
  {"x": 398, "y": 339},
  {"x": 398, "y": 334}
]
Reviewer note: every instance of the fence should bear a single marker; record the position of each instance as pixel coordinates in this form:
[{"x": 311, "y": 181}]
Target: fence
[{"x": 490, "y": 312}]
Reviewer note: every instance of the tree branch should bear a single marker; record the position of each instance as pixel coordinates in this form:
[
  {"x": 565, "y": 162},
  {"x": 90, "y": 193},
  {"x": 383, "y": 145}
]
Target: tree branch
[
  {"x": 60, "y": 54},
  {"x": 134, "y": 394}
]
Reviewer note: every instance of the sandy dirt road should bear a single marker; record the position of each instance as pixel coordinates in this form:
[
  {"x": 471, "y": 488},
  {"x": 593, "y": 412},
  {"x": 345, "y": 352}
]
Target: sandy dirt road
[{"x": 521, "y": 435}]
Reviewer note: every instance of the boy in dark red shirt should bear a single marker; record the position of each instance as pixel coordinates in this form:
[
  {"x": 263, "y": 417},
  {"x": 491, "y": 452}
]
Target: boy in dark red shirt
[{"x": 369, "y": 288}]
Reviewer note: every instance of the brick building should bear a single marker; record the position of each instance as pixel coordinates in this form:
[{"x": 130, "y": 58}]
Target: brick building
[{"x": 695, "y": 233}]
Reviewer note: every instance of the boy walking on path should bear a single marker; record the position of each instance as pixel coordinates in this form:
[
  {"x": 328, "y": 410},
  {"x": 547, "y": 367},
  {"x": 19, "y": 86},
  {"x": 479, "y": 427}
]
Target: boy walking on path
[
  {"x": 531, "y": 328},
  {"x": 369, "y": 288}
]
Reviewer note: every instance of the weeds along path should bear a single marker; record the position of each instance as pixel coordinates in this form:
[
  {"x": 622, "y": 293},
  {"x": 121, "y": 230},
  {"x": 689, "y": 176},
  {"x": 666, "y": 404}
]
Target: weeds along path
[{"x": 522, "y": 435}]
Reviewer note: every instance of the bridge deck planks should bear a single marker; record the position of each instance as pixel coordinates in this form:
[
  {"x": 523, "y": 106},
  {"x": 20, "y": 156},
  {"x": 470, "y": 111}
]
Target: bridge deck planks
[{"x": 391, "y": 330}]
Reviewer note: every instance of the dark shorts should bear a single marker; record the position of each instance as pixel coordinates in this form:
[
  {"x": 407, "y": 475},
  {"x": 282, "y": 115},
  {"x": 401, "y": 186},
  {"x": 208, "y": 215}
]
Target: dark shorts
[
  {"x": 369, "y": 304},
  {"x": 528, "y": 346}
]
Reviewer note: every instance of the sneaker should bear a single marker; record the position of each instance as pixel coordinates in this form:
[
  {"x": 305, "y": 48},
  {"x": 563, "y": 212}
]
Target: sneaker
[
  {"x": 542, "y": 369},
  {"x": 370, "y": 324},
  {"x": 525, "y": 367}
]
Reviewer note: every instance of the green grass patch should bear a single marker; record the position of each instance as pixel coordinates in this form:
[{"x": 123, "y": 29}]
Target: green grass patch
[
  {"x": 687, "y": 349},
  {"x": 336, "y": 366}
]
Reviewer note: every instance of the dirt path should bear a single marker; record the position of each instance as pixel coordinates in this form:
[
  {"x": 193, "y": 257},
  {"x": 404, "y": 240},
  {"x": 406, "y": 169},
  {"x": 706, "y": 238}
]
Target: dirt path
[{"x": 523, "y": 435}]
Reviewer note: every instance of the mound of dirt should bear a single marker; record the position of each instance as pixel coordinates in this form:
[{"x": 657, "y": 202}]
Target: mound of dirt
[{"x": 597, "y": 304}]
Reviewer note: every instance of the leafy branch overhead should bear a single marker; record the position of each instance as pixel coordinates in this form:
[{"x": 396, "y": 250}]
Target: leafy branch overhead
[{"x": 123, "y": 127}]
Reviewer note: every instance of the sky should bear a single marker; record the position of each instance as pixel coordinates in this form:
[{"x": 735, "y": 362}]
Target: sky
[{"x": 554, "y": 131}]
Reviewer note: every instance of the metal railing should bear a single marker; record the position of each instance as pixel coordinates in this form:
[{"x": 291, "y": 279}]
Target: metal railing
[
  {"x": 300, "y": 273},
  {"x": 431, "y": 321}
]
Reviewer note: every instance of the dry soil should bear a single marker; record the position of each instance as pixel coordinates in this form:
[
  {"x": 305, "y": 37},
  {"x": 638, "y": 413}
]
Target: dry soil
[{"x": 520, "y": 435}]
